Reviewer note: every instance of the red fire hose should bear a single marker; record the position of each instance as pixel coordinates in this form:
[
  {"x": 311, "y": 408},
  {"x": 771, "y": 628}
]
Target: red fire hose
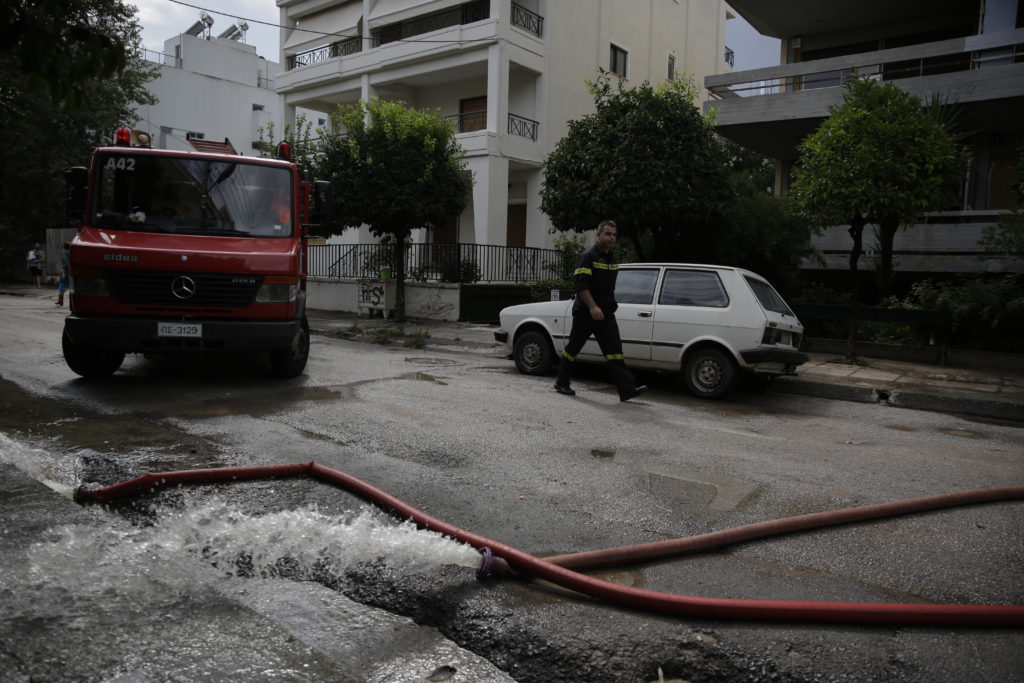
[{"x": 715, "y": 608}]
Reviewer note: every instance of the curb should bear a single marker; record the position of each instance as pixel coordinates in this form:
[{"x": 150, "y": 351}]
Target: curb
[{"x": 912, "y": 398}]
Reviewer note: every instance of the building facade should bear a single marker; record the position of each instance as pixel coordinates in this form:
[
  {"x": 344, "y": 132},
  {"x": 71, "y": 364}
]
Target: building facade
[
  {"x": 211, "y": 89},
  {"x": 511, "y": 74},
  {"x": 969, "y": 52}
]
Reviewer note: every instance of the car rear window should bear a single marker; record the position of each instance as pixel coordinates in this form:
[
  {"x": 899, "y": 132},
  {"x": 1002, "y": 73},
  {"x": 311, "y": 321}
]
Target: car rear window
[
  {"x": 636, "y": 286},
  {"x": 693, "y": 288},
  {"x": 768, "y": 297}
]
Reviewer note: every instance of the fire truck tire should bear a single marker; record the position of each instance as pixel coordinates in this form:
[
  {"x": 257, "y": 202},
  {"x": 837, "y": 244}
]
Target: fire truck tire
[
  {"x": 89, "y": 362},
  {"x": 291, "y": 361}
]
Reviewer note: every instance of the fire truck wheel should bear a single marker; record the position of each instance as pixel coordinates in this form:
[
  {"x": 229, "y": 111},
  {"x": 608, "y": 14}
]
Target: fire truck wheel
[
  {"x": 90, "y": 362},
  {"x": 291, "y": 361}
]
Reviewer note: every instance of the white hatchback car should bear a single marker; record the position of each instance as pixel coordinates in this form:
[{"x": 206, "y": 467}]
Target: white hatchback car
[{"x": 707, "y": 322}]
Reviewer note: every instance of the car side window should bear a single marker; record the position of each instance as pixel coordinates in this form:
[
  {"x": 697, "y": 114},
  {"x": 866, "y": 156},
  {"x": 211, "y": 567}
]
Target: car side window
[
  {"x": 636, "y": 286},
  {"x": 693, "y": 288}
]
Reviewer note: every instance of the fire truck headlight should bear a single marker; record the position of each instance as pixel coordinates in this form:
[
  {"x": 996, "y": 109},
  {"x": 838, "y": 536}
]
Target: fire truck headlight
[
  {"x": 278, "y": 290},
  {"x": 88, "y": 284}
]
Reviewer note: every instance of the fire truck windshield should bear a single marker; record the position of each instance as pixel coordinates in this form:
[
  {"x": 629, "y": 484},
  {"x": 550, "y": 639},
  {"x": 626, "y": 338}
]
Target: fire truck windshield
[{"x": 174, "y": 194}]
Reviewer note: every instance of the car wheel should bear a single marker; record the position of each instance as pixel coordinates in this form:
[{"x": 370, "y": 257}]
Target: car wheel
[
  {"x": 709, "y": 373},
  {"x": 89, "y": 362},
  {"x": 533, "y": 353},
  {"x": 291, "y": 361}
]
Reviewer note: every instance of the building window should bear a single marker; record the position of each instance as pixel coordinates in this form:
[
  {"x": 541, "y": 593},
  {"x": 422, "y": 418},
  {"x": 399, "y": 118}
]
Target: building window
[
  {"x": 671, "y": 67},
  {"x": 619, "y": 60},
  {"x": 257, "y": 107},
  {"x": 193, "y": 135}
]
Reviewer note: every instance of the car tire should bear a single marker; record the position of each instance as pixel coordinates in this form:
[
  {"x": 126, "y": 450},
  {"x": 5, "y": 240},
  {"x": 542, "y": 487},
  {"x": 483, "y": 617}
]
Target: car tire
[
  {"x": 709, "y": 373},
  {"x": 289, "y": 362},
  {"x": 533, "y": 353},
  {"x": 90, "y": 362}
]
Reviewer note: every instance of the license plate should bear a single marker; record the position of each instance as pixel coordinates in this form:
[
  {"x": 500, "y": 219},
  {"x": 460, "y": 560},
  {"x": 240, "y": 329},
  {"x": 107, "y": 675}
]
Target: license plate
[{"x": 179, "y": 330}]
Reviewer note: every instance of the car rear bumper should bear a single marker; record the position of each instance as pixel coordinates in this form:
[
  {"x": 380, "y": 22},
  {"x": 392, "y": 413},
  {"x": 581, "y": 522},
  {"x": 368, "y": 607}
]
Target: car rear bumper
[{"x": 761, "y": 358}]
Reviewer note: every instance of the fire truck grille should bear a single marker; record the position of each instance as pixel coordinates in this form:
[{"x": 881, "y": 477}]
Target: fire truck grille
[{"x": 149, "y": 288}]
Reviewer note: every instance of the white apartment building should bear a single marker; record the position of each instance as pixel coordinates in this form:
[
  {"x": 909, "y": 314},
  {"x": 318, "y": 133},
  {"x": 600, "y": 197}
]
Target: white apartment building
[
  {"x": 511, "y": 73},
  {"x": 212, "y": 89}
]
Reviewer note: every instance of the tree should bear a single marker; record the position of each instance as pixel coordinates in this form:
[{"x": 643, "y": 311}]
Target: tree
[
  {"x": 882, "y": 159},
  {"x": 60, "y": 45},
  {"x": 49, "y": 127},
  {"x": 395, "y": 169},
  {"x": 647, "y": 159}
]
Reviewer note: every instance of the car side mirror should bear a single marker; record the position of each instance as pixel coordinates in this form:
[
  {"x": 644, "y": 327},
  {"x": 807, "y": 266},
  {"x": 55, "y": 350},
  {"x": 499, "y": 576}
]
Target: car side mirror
[{"x": 76, "y": 180}]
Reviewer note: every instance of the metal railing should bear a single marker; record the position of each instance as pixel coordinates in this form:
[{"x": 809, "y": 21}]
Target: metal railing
[
  {"x": 463, "y": 14},
  {"x": 159, "y": 58},
  {"x": 429, "y": 262},
  {"x": 349, "y": 46},
  {"x": 527, "y": 20},
  {"x": 925, "y": 59},
  {"x": 469, "y": 121},
  {"x": 520, "y": 125}
]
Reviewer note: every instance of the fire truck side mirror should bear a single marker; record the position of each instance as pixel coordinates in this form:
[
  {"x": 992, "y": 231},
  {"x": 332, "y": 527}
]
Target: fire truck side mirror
[
  {"x": 321, "y": 204},
  {"x": 76, "y": 180}
]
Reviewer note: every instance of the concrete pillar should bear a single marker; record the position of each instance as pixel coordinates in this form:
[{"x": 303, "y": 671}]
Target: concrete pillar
[{"x": 490, "y": 199}]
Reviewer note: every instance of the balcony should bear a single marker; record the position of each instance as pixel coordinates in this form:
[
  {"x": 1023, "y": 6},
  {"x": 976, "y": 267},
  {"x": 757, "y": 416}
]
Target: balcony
[
  {"x": 771, "y": 109},
  {"x": 464, "y": 14},
  {"x": 349, "y": 46}
]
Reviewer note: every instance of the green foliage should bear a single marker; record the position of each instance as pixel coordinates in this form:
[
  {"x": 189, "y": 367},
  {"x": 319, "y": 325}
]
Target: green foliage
[
  {"x": 878, "y": 154},
  {"x": 416, "y": 340},
  {"x": 48, "y": 129},
  {"x": 300, "y": 138},
  {"x": 460, "y": 270},
  {"x": 395, "y": 169},
  {"x": 647, "y": 159},
  {"x": 392, "y": 168},
  {"x": 880, "y": 158},
  {"x": 60, "y": 46}
]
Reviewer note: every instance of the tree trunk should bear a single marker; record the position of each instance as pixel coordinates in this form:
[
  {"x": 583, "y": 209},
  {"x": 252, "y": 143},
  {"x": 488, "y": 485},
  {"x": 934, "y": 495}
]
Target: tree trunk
[
  {"x": 887, "y": 234},
  {"x": 641, "y": 257},
  {"x": 398, "y": 268},
  {"x": 857, "y": 233}
]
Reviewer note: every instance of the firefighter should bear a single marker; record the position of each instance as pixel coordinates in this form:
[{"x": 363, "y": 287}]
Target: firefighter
[{"x": 594, "y": 313}]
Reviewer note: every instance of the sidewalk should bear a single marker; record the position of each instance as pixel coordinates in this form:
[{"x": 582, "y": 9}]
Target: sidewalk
[{"x": 981, "y": 393}]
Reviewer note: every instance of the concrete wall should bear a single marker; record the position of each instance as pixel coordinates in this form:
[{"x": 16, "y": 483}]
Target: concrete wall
[{"x": 424, "y": 301}]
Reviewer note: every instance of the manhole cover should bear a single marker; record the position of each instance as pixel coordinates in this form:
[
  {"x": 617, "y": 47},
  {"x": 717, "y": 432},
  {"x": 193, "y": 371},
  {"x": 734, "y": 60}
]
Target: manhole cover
[{"x": 431, "y": 361}]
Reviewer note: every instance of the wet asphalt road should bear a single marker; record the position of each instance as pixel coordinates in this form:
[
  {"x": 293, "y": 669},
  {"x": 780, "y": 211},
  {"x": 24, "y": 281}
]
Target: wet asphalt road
[{"x": 466, "y": 439}]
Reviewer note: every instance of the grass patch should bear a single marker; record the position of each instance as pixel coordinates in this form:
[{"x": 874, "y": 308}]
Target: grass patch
[
  {"x": 385, "y": 335},
  {"x": 416, "y": 340}
]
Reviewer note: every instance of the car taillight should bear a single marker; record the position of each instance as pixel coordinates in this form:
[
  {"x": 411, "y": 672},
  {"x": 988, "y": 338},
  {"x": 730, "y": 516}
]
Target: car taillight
[{"x": 771, "y": 335}]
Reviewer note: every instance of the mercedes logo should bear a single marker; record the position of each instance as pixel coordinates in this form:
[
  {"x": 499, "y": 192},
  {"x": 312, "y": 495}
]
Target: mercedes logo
[{"x": 183, "y": 287}]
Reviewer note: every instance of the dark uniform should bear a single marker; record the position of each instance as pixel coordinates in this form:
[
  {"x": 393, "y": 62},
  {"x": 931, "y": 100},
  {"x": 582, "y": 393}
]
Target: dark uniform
[{"x": 596, "y": 271}]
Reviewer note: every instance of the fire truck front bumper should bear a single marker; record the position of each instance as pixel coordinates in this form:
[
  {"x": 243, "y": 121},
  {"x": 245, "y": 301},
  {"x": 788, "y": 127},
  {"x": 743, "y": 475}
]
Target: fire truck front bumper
[{"x": 152, "y": 335}]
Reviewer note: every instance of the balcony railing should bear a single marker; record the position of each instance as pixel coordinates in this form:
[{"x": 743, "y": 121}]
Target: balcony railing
[
  {"x": 527, "y": 20},
  {"x": 341, "y": 48},
  {"x": 464, "y": 14},
  {"x": 520, "y": 125},
  {"x": 958, "y": 54},
  {"x": 469, "y": 121},
  {"x": 428, "y": 262},
  {"x": 477, "y": 120}
]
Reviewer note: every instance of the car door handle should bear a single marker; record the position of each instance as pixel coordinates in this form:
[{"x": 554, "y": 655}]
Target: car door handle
[{"x": 644, "y": 314}]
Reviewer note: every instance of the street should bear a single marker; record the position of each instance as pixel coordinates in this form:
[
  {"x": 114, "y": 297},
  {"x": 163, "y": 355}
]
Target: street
[{"x": 466, "y": 439}]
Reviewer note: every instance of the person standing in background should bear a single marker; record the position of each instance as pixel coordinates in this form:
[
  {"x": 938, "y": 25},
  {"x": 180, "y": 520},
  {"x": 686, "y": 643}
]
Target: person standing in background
[
  {"x": 65, "y": 273},
  {"x": 35, "y": 261}
]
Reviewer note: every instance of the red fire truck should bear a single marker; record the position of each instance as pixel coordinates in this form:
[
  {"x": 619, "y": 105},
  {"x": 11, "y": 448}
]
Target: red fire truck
[{"x": 187, "y": 252}]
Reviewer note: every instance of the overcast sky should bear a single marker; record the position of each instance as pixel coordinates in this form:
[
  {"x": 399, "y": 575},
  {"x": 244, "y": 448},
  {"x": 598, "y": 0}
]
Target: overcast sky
[{"x": 163, "y": 19}]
